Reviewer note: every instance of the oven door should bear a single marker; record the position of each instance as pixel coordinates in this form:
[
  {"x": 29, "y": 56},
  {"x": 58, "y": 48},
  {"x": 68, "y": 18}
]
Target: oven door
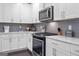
[{"x": 38, "y": 47}]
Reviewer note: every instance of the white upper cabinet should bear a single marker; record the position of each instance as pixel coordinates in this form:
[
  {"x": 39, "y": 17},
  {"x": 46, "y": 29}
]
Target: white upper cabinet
[
  {"x": 22, "y": 13},
  {"x": 59, "y": 11},
  {"x": 64, "y": 11},
  {"x": 1, "y": 14},
  {"x": 26, "y": 13},
  {"x": 72, "y": 10},
  {"x": 35, "y": 14},
  {"x": 29, "y": 13},
  {"x": 56, "y": 11},
  {"x": 9, "y": 12},
  {"x": 41, "y": 6},
  {"x": 69, "y": 11},
  {"x": 16, "y": 13},
  {"x": 47, "y": 5}
]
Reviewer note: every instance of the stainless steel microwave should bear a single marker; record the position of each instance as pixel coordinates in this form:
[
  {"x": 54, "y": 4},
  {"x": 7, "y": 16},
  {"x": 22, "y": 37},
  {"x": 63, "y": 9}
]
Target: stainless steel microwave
[{"x": 46, "y": 14}]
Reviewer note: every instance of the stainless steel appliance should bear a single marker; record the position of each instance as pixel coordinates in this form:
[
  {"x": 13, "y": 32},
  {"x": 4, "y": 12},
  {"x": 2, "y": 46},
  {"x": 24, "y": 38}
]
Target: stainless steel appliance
[
  {"x": 46, "y": 14},
  {"x": 39, "y": 43}
]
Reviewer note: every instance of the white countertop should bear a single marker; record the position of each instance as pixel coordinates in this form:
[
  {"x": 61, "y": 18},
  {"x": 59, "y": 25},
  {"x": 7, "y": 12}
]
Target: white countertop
[
  {"x": 3, "y": 33},
  {"x": 70, "y": 40}
]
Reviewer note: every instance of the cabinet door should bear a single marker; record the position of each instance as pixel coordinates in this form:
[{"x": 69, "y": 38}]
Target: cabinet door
[
  {"x": 16, "y": 13},
  {"x": 26, "y": 13},
  {"x": 1, "y": 12},
  {"x": 7, "y": 12},
  {"x": 5, "y": 43},
  {"x": 59, "y": 46},
  {"x": 48, "y": 4},
  {"x": 29, "y": 41},
  {"x": 64, "y": 11},
  {"x": 50, "y": 51},
  {"x": 35, "y": 14},
  {"x": 72, "y": 10},
  {"x": 56, "y": 11},
  {"x": 41, "y": 6},
  {"x": 50, "y": 48},
  {"x": 13, "y": 42},
  {"x": 74, "y": 50},
  {"x": 0, "y": 45},
  {"x": 22, "y": 41}
]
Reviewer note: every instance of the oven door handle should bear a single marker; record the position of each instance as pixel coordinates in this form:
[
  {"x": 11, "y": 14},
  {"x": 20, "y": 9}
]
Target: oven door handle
[{"x": 37, "y": 39}]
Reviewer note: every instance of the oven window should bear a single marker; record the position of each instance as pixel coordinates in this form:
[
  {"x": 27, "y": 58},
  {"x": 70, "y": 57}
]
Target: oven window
[{"x": 38, "y": 46}]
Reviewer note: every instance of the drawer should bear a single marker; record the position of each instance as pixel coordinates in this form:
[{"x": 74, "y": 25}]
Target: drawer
[{"x": 74, "y": 50}]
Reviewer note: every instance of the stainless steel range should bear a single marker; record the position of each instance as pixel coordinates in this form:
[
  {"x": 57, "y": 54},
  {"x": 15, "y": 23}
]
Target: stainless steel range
[{"x": 39, "y": 43}]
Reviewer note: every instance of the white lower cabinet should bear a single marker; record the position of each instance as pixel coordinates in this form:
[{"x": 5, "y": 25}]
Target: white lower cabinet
[
  {"x": 29, "y": 41},
  {"x": 57, "y": 48},
  {"x": 22, "y": 41},
  {"x": 0, "y": 45},
  {"x": 13, "y": 43},
  {"x": 50, "y": 51},
  {"x": 5, "y": 43},
  {"x": 74, "y": 50},
  {"x": 61, "y": 52}
]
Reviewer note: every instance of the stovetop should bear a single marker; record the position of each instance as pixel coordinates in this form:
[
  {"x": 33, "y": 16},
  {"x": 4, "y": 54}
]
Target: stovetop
[{"x": 43, "y": 34}]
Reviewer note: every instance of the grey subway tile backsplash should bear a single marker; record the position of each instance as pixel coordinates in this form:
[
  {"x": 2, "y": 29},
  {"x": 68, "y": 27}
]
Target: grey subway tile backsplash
[{"x": 64, "y": 26}]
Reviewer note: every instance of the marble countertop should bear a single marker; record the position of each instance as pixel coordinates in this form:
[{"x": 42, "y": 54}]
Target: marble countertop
[{"x": 70, "y": 40}]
